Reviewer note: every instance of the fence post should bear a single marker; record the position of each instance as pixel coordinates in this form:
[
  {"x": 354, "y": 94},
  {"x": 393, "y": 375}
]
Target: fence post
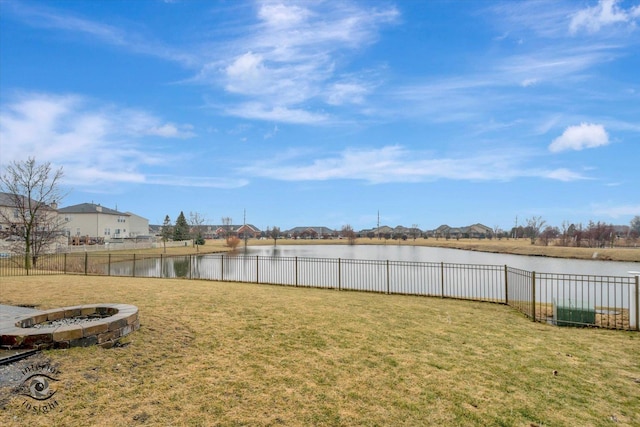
[
  {"x": 637, "y": 303},
  {"x": 506, "y": 285},
  {"x": 257, "y": 268},
  {"x": 533, "y": 295},
  {"x": 388, "y": 286},
  {"x": 339, "y": 275},
  {"x": 133, "y": 273},
  {"x": 109, "y": 266},
  {"x": 222, "y": 268},
  {"x": 190, "y": 273},
  {"x": 296, "y": 271},
  {"x": 65, "y": 264},
  {"x": 86, "y": 262},
  {"x": 441, "y": 279}
]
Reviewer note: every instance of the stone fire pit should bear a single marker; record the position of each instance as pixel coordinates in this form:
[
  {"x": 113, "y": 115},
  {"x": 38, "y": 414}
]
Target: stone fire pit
[{"x": 78, "y": 326}]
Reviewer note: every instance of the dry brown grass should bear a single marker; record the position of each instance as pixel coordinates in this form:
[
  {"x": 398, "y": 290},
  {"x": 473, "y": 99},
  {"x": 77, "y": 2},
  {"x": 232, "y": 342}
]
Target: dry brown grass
[{"x": 211, "y": 353}]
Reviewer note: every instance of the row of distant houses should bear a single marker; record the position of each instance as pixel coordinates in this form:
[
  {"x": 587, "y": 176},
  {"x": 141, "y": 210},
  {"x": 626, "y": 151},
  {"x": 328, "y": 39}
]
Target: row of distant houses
[
  {"x": 474, "y": 231},
  {"x": 90, "y": 223}
]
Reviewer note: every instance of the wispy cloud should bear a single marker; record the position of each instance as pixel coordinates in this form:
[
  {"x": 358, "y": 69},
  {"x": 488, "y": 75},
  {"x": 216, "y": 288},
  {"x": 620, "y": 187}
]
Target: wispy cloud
[
  {"x": 585, "y": 135},
  {"x": 291, "y": 58},
  {"x": 97, "y": 144},
  {"x": 555, "y": 19},
  {"x": 549, "y": 72},
  {"x": 535, "y": 18},
  {"x": 259, "y": 111},
  {"x": 616, "y": 211},
  {"x": 396, "y": 164},
  {"x": 287, "y": 58},
  {"x": 55, "y": 19}
]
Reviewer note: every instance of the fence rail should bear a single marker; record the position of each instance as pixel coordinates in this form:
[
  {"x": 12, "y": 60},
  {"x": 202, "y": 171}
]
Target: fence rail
[{"x": 611, "y": 302}]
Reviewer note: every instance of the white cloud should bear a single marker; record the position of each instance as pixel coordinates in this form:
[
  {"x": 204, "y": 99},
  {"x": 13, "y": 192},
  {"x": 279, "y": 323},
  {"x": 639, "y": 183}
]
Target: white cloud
[
  {"x": 272, "y": 133},
  {"x": 605, "y": 13},
  {"x": 563, "y": 174},
  {"x": 529, "y": 82},
  {"x": 290, "y": 60},
  {"x": 95, "y": 144},
  {"x": 245, "y": 73},
  {"x": 195, "y": 181},
  {"x": 585, "y": 135},
  {"x": 279, "y": 15},
  {"x": 170, "y": 130},
  {"x": 394, "y": 163},
  {"x": 346, "y": 93},
  {"x": 281, "y": 114}
]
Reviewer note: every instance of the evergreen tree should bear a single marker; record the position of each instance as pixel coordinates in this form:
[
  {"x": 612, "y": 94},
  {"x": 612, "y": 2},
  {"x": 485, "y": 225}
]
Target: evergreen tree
[{"x": 181, "y": 229}]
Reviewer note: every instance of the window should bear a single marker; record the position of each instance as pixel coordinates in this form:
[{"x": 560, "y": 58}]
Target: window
[{"x": 107, "y": 231}]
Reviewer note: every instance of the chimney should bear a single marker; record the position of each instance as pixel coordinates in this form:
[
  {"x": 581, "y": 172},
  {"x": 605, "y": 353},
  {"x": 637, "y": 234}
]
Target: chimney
[{"x": 54, "y": 205}]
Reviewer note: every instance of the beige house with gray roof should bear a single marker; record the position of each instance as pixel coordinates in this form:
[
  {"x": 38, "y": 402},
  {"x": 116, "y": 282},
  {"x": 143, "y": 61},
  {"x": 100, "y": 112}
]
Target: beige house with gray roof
[{"x": 100, "y": 223}]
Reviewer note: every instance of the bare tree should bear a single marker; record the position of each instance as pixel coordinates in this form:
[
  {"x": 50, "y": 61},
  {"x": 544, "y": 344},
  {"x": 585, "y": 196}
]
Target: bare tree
[
  {"x": 32, "y": 191},
  {"x": 634, "y": 229},
  {"x": 549, "y": 234},
  {"x": 415, "y": 231},
  {"x": 497, "y": 232},
  {"x": 196, "y": 221},
  {"x": 274, "y": 233},
  {"x": 599, "y": 233},
  {"x": 226, "y": 225},
  {"x": 167, "y": 231},
  {"x": 347, "y": 231},
  {"x": 534, "y": 226},
  {"x": 635, "y": 224},
  {"x": 564, "y": 233}
]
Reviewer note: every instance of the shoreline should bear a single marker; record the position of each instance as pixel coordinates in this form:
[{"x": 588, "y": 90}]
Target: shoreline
[
  {"x": 511, "y": 246},
  {"x": 504, "y": 246}
]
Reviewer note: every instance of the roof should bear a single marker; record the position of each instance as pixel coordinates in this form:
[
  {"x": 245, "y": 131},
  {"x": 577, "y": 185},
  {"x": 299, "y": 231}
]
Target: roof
[
  {"x": 9, "y": 200},
  {"x": 318, "y": 230},
  {"x": 90, "y": 208}
]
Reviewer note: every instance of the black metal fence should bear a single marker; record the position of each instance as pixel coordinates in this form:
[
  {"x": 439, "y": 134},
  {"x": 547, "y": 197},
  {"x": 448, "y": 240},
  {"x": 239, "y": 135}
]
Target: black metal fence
[{"x": 561, "y": 299}]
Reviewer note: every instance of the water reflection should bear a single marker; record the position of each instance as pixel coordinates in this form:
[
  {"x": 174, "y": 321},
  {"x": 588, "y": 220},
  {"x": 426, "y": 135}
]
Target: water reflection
[{"x": 454, "y": 256}]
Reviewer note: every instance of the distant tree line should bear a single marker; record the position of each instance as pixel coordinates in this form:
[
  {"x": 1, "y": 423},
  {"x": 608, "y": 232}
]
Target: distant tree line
[{"x": 593, "y": 235}]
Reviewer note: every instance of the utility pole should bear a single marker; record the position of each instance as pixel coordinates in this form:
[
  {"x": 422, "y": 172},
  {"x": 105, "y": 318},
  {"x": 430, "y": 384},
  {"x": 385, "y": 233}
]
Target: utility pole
[{"x": 244, "y": 229}]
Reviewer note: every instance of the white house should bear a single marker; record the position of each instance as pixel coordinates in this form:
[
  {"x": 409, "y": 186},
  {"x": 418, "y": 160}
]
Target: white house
[{"x": 99, "y": 223}]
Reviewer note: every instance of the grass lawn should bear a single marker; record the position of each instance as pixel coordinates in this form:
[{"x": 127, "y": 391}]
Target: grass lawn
[{"x": 212, "y": 353}]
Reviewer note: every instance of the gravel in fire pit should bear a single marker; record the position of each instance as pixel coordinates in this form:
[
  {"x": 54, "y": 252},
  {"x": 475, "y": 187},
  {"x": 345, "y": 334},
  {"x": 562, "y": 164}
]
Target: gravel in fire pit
[{"x": 69, "y": 321}]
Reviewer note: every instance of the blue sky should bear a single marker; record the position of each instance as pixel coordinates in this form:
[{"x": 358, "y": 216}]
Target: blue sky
[{"x": 324, "y": 113}]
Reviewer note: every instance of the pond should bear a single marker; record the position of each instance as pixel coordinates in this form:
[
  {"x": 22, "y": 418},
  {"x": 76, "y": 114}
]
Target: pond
[{"x": 455, "y": 256}]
